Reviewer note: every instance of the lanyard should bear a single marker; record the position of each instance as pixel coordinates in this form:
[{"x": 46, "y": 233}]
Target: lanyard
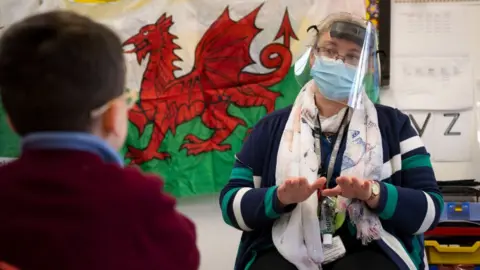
[{"x": 336, "y": 147}]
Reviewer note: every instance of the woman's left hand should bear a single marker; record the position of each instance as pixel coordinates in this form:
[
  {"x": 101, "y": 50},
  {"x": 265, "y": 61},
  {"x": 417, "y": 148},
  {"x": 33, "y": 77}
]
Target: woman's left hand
[{"x": 350, "y": 187}]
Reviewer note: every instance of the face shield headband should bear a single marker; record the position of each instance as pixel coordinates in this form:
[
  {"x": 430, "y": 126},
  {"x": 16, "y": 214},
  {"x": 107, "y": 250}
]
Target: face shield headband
[{"x": 344, "y": 78}]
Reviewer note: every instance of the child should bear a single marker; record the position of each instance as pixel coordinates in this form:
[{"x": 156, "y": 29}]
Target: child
[{"x": 67, "y": 203}]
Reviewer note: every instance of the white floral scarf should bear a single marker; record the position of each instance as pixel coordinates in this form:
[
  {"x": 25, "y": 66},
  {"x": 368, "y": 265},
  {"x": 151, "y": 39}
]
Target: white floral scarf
[{"x": 296, "y": 235}]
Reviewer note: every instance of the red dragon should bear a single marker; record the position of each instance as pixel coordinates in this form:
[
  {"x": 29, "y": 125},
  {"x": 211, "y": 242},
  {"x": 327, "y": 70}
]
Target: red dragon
[{"x": 217, "y": 80}]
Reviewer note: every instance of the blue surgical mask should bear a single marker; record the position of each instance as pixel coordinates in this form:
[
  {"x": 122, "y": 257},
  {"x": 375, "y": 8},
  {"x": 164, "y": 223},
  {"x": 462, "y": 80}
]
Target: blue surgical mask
[{"x": 333, "y": 78}]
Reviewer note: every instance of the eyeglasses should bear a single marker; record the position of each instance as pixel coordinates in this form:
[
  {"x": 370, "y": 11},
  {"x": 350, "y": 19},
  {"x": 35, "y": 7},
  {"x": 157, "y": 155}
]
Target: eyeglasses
[
  {"x": 349, "y": 58},
  {"x": 130, "y": 97}
]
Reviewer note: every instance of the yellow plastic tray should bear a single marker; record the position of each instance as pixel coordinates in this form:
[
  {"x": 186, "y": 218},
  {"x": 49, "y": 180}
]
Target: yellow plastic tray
[{"x": 441, "y": 254}]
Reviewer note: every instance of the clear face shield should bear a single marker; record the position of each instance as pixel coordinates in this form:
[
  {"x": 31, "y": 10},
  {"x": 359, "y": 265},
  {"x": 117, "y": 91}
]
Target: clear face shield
[{"x": 343, "y": 63}]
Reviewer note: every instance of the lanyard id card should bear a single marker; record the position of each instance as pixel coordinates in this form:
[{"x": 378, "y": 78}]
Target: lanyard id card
[
  {"x": 327, "y": 215},
  {"x": 327, "y": 219}
]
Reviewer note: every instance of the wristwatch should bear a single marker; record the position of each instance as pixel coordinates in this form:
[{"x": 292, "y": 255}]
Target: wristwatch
[{"x": 375, "y": 190}]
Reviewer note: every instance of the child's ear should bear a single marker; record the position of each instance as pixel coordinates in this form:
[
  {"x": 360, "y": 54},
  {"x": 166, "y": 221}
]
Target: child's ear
[
  {"x": 108, "y": 121},
  {"x": 112, "y": 118},
  {"x": 9, "y": 122}
]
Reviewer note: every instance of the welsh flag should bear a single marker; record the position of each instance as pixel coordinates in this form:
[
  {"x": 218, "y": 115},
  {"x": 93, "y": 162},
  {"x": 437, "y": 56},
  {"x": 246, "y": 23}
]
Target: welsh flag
[{"x": 206, "y": 72}]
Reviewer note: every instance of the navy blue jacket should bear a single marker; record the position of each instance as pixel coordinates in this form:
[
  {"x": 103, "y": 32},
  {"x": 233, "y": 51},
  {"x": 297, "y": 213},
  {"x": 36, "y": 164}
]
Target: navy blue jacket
[{"x": 410, "y": 201}]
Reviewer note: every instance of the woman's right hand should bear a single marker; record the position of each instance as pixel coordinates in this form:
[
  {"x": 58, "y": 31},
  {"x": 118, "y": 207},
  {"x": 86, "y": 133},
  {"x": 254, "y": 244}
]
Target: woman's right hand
[{"x": 297, "y": 189}]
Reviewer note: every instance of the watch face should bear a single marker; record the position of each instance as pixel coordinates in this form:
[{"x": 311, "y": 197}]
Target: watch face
[{"x": 375, "y": 189}]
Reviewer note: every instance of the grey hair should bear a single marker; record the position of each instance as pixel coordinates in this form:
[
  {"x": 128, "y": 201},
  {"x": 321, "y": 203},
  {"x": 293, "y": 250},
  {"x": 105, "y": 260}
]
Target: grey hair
[{"x": 327, "y": 23}]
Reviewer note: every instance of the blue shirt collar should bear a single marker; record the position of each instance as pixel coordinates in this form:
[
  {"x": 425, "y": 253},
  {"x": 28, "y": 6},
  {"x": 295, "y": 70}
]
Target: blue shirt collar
[{"x": 72, "y": 141}]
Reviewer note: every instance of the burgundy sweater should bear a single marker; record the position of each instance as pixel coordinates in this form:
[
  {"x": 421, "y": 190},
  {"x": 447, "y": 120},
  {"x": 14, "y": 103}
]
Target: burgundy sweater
[{"x": 69, "y": 210}]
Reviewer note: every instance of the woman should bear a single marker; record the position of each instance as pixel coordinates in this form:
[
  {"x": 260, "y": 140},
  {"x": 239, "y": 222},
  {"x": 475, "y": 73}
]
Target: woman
[{"x": 333, "y": 180}]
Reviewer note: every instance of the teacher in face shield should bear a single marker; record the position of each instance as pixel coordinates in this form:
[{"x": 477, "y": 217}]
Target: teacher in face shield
[{"x": 333, "y": 181}]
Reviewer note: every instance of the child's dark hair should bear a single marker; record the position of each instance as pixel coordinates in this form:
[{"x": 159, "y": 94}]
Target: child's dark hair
[{"x": 55, "y": 68}]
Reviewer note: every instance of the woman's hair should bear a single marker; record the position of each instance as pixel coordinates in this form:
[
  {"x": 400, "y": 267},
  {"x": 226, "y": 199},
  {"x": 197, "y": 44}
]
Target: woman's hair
[{"x": 327, "y": 23}]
